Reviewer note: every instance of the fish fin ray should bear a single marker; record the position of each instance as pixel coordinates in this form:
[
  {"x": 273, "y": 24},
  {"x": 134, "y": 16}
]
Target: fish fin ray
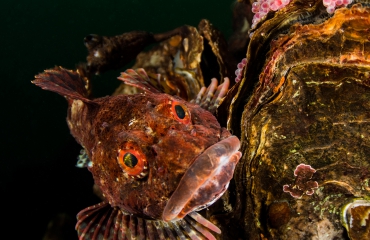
[
  {"x": 65, "y": 82},
  {"x": 101, "y": 221},
  {"x": 151, "y": 82},
  {"x": 139, "y": 79}
]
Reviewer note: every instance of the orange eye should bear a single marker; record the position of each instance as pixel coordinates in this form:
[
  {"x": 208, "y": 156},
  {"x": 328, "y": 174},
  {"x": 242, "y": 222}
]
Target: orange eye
[
  {"x": 180, "y": 112},
  {"x": 133, "y": 163}
]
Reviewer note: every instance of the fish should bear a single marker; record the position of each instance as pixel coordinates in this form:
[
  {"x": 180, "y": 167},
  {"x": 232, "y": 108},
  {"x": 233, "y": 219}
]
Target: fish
[{"x": 156, "y": 158}]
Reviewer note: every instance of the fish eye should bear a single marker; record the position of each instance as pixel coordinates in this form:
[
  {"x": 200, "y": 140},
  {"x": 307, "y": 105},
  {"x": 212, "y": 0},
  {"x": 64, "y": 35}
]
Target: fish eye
[
  {"x": 132, "y": 162},
  {"x": 180, "y": 112}
]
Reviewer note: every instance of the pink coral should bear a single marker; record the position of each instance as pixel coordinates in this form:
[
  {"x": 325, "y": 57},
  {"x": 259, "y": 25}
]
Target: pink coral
[
  {"x": 239, "y": 71},
  {"x": 332, "y": 4},
  {"x": 302, "y": 184},
  {"x": 261, "y": 7}
]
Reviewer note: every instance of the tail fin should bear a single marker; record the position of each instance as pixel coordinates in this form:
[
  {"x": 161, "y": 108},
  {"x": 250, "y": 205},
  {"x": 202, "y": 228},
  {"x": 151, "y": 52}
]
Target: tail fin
[{"x": 65, "y": 82}]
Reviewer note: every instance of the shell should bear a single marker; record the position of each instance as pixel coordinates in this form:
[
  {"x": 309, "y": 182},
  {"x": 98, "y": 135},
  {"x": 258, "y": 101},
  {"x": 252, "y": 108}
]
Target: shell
[
  {"x": 304, "y": 99},
  {"x": 356, "y": 217},
  {"x": 187, "y": 61}
]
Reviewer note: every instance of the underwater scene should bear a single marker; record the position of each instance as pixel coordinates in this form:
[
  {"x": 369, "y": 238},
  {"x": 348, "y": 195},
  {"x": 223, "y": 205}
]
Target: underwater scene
[{"x": 186, "y": 120}]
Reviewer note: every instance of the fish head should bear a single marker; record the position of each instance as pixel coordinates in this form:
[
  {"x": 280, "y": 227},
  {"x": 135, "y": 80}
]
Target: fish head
[{"x": 145, "y": 144}]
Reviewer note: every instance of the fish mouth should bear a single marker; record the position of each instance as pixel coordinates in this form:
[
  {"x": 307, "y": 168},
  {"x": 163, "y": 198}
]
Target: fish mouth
[{"x": 206, "y": 179}]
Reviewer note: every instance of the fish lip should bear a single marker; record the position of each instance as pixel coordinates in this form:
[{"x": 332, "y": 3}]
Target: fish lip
[{"x": 205, "y": 180}]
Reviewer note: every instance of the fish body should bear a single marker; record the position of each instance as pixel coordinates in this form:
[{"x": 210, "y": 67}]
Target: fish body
[{"x": 152, "y": 155}]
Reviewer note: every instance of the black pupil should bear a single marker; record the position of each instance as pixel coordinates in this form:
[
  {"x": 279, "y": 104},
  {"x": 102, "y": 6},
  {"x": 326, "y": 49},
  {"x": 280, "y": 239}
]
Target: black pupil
[
  {"x": 130, "y": 160},
  {"x": 180, "y": 111}
]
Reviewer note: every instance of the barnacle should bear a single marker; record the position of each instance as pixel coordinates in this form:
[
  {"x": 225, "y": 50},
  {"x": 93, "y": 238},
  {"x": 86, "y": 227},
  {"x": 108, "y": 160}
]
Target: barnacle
[
  {"x": 356, "y": 218},
  {"x": 279, "y": 213},
  {"x": 210, "y": 98}
]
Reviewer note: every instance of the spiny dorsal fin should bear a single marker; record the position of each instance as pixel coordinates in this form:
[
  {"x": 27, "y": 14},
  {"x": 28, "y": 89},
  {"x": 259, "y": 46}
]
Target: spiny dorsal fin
[
  {"x": 65, "y": 82},
  {"x": 152, "y": 82},
  {"x": 141, "y": 80}
]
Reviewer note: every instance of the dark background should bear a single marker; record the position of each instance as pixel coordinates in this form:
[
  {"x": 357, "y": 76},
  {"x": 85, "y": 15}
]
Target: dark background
[{"x": 38, "y": 177}]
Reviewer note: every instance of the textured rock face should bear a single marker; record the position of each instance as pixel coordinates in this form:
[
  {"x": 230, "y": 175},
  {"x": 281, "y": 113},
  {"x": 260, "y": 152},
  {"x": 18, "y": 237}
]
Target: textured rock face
[{"x": 304, "y": 99}]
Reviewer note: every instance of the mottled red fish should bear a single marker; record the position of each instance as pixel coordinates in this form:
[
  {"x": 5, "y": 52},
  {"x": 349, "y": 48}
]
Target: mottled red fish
[{"x": 156, "y": 158}]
